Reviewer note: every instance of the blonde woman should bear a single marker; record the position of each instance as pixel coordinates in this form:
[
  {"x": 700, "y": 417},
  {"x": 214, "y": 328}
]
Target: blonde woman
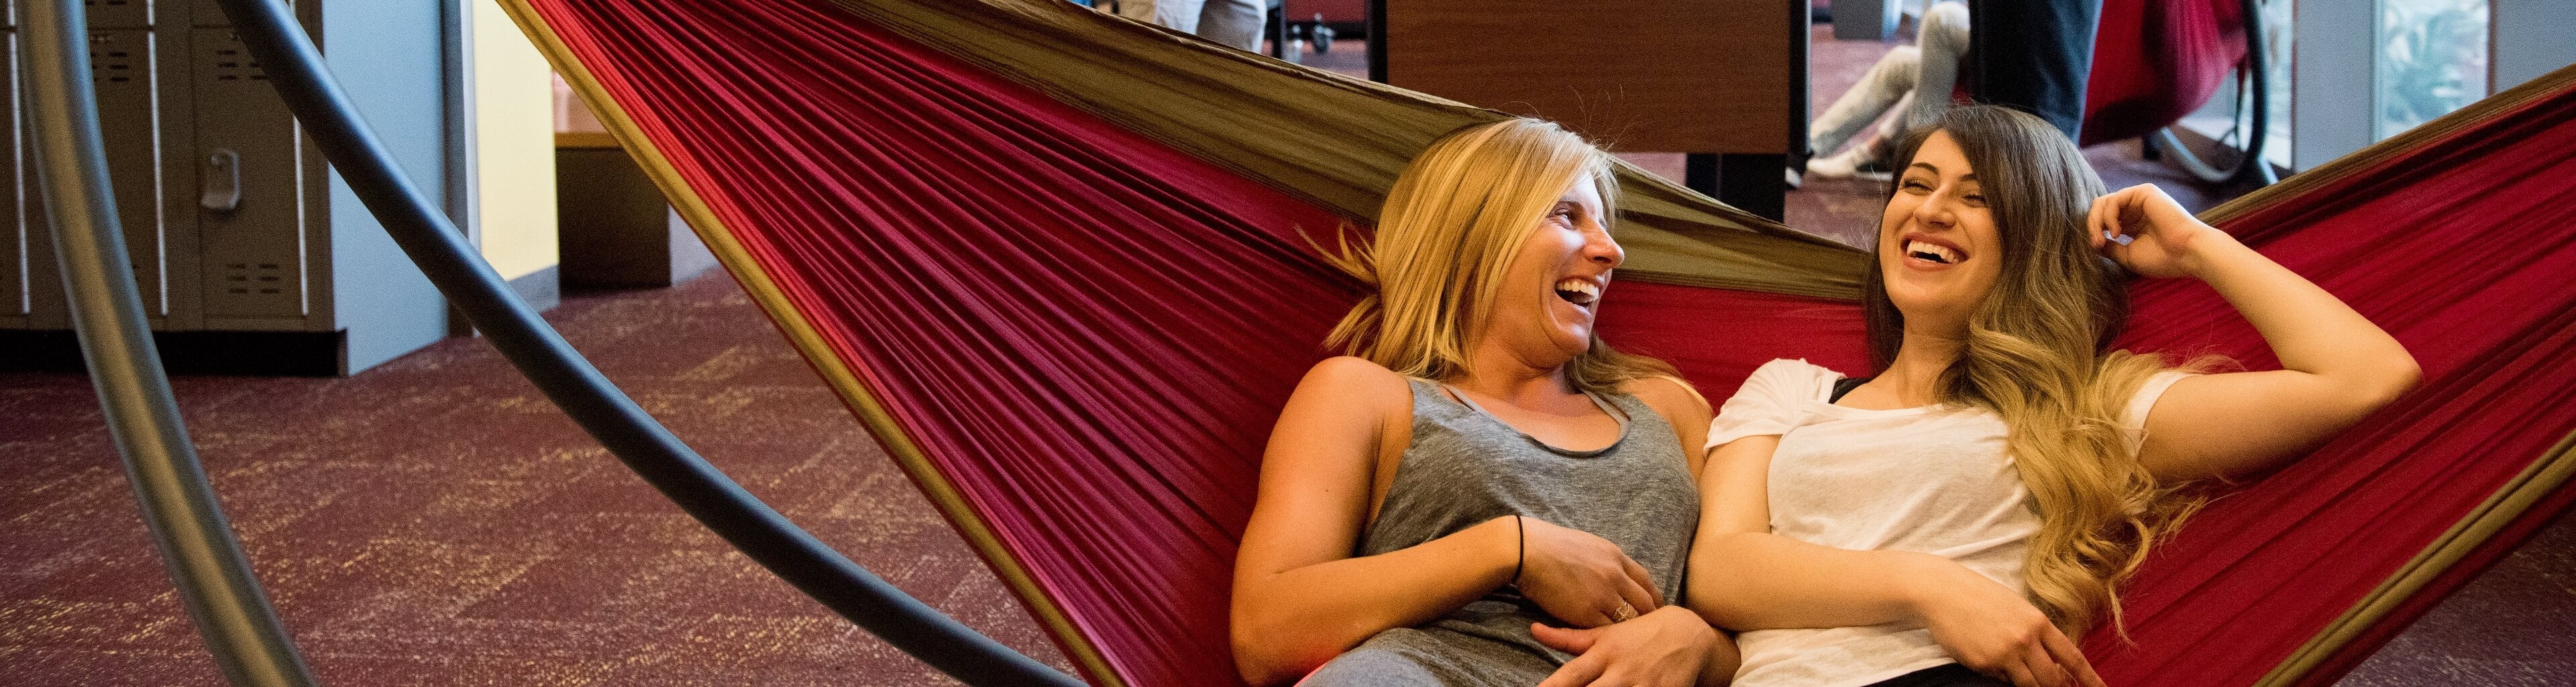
[
  {"x": 1958, "y": 518},
  {"x": 1481, "y": 468}
]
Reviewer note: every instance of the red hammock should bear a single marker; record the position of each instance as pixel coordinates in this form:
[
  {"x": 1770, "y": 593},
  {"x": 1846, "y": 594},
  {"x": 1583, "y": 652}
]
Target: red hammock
[{"x": 1077, "y": 337}]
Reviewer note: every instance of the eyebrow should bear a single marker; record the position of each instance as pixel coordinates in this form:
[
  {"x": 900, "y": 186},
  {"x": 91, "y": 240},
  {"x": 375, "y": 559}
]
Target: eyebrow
[{"x": 1971, "y": 176}]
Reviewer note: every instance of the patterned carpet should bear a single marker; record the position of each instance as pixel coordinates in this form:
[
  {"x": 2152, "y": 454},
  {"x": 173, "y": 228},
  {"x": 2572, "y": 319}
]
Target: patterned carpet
[{"x": 436, "y": 522}]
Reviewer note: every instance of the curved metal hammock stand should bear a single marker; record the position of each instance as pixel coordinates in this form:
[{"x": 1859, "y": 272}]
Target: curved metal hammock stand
[{"x": 213, "y": 577}]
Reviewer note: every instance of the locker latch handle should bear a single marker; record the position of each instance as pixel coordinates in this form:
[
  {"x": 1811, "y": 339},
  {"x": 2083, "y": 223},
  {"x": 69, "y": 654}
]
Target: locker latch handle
[{"x": 222, "y": 183}]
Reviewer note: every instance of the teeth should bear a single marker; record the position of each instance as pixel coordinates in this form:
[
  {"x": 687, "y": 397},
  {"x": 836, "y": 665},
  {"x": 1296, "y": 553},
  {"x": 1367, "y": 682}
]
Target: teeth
[
  {"x": 1942, "y": 254},
  {"x": 1578, "y": 291}
]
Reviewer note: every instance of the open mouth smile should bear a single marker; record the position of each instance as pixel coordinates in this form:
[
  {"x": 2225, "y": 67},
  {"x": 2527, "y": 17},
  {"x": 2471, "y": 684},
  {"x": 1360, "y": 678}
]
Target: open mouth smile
[
  {"x": 1933, "y": 251},
  {"x": 1582, "y": 293}
]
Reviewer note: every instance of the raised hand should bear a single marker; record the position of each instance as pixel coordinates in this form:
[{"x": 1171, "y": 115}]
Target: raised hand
[
  {"x": 1580, "y": 577},
  {"x": 1992, "y": 630},
  {"x": 2149, "y": 233},
  {"x": 1671, "y": 647}
]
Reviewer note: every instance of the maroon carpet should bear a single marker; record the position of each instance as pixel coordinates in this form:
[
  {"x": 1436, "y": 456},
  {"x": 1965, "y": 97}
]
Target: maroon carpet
[{"x": 436, "y": 522}]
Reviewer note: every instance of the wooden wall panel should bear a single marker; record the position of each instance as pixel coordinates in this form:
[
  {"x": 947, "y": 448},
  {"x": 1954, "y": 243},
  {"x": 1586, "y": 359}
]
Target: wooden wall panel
[{"x": 1685, "y": 76}]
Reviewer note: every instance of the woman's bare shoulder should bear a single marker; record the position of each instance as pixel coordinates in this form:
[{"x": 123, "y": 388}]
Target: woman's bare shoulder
[
  {"x": 1356, "y": 379},
  {"x": 1352, "y": 371}
]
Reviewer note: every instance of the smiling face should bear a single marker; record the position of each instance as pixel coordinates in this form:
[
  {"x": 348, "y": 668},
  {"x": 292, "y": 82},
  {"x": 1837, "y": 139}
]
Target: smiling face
[
  {"x": 1939, "y": 252},
  {"x": 1492, "y": 253},
  {"x": 1552, "y": 291}
]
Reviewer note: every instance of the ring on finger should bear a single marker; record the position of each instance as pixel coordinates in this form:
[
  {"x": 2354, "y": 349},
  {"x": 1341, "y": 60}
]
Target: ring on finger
[{"x": 1626, "y": 613}]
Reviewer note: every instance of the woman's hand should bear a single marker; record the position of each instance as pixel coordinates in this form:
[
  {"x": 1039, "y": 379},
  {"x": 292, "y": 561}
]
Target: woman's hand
[
  {"x": 2149, "y": 233},
  {"x": 1992, "y": 630},
  {"x": 1580, "y": 577},
  {"x": 1670, "y": 647}
]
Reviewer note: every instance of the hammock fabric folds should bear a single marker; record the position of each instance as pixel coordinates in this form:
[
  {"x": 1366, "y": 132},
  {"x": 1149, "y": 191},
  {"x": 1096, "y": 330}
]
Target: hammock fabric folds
[{"x": 1072, "y": 314}]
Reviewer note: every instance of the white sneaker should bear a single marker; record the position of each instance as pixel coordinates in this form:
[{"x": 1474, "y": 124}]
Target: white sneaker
[
  {"x": 1838, "y": 165},
  {"x": 1864, "y": 160}
]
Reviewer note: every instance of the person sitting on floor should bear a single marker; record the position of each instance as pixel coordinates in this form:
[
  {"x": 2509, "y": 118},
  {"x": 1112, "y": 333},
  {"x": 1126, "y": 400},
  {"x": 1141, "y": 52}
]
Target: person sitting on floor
[{"x": 1913, "y": 82}]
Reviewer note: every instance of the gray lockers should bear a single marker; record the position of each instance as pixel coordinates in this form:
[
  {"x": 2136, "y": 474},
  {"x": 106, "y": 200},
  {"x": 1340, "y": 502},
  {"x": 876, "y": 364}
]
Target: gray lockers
[{"x": 245, "y": 244}]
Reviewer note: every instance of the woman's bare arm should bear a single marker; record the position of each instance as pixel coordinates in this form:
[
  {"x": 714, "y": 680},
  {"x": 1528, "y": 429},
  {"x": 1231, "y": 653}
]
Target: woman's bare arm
[
  {"x": 1299, "y": 598},
  {"x": 1743, "y": 577},
  {"x": 2337, "y": 367}
]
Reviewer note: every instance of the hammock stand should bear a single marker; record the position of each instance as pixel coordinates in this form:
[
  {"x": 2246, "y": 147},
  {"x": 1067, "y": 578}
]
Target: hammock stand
[
  {"x": 214, "y": 579},
  {"x": 206, "y": 562}
]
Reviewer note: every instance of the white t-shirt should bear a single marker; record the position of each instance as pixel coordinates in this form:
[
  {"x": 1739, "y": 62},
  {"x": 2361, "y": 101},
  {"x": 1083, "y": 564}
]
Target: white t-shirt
[{"x": 1933, "y": 479}]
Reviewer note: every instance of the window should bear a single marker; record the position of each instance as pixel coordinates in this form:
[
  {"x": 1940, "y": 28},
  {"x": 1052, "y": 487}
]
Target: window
[{"x": 2432, "y": 59}]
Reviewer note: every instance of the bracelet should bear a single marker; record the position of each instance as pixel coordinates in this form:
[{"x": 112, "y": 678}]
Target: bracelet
[{"x": 1520, "y": 535}]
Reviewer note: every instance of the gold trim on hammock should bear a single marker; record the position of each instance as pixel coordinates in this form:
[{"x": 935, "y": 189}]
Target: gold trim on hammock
[
  {"x": 810, "y": 342},
  {"x": 2508, "y": 504},
  {"x": 2554, "y": 468}
]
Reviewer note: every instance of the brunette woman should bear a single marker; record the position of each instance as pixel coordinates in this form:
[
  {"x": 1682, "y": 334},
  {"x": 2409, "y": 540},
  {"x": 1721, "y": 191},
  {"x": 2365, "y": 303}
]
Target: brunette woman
[{"x": 1958, "y": 517}]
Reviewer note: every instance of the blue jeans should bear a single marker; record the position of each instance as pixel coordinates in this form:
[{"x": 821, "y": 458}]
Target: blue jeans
[{"x": 2034, "y": 55}]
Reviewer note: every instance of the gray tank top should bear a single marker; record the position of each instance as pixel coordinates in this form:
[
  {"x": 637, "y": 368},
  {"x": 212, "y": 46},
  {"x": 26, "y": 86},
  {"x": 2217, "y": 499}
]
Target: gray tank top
[{"x": 1464, "y": 467}]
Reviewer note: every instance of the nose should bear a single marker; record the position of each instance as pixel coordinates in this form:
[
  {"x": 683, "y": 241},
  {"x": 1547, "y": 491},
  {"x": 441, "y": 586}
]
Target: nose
[
  {"x": 1940, "y": 209},
  {"x": 1599, "y": 248}
]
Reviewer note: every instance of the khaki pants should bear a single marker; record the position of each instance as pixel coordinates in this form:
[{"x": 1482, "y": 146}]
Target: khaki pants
[{"x": 1912, "y": 80}]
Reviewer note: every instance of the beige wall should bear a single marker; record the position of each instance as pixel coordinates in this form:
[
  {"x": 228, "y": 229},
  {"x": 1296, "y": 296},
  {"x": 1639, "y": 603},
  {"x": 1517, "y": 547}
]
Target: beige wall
[{"x": 514, "y": 146}]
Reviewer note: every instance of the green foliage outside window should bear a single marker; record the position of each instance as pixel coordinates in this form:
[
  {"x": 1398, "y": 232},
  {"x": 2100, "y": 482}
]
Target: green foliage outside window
[{"x": 2432, "y": 60}]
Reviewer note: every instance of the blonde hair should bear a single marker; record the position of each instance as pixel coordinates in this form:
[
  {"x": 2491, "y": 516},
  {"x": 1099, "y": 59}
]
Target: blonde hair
[
  {"x": 1448, "y": 233},
  {"x": 2039, "y": 355}
]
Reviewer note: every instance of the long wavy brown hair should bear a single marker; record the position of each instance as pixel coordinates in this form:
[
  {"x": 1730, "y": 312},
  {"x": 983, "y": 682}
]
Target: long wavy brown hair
[{"x": 2039, "y": 355}]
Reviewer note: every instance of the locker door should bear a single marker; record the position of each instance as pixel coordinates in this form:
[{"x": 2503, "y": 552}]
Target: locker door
[
  {"x": 126, "y": 74},
  {"x": 122, "y": 74},
  {"x": 31, "y": 291},
  {"x": 118, "y": 14},
  {"x": 14, "y": 251},
  {"x": 254, "y": 263}
]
